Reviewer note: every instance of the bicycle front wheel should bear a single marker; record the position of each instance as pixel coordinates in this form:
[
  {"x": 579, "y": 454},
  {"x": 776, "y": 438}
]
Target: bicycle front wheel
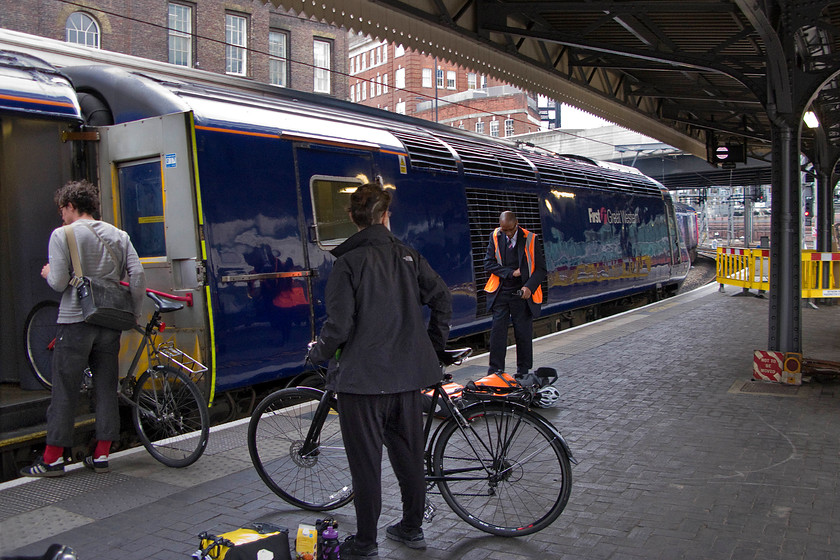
[
  {"x": 316, "y": 479},
  {"x": 505, "y": 473},
  {"x": 170, "y": 416},
  {"x": 39, "y": 332}
]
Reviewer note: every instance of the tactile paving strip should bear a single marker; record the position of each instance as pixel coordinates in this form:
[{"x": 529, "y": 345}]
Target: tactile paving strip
[{"x": 39, "y": 493}]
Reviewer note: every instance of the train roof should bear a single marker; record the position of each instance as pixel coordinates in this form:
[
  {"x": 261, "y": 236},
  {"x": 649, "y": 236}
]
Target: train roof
[
  {"x": 136, "y": 88},
  {"x": 31, "y": 86}
]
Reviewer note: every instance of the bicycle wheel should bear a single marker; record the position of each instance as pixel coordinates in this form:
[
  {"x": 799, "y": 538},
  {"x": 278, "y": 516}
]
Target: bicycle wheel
[
  {"x": 170, "y": 416},
  {"x": 317, "y": 481},
  {"x": 505, "y": 473},
  {"x": 39, "y": 332}
]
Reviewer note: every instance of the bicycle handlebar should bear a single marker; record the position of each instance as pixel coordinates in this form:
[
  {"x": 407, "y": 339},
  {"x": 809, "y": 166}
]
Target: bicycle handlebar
[{"x": 188, "y": 299}]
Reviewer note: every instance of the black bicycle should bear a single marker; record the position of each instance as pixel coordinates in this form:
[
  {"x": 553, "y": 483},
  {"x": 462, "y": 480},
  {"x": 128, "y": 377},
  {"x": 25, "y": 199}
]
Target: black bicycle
[{"x": 501, "y": 467}]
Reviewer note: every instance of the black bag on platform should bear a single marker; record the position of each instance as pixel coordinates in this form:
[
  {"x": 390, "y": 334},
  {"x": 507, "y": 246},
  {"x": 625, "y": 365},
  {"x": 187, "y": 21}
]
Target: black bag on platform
[{"x": 104, "y": 303}]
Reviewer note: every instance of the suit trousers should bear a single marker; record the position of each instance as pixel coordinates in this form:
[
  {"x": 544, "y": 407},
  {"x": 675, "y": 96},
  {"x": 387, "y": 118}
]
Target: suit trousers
[
  {"x": 509, "y": 308},
  {"x": 368, "y": 421},
  {"x": 78, "y": 346}
]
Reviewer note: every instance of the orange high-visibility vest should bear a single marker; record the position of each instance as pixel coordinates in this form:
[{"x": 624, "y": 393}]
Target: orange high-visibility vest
[{"x": 494, "y": 281}]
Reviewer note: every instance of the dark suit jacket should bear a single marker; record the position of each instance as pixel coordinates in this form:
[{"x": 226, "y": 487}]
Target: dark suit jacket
[{"x": 530, "y": 281}]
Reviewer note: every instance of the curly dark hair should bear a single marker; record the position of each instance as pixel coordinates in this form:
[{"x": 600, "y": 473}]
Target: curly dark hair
[
  {"x": 83, "y": 195},
  {"x": 368, "y": 204}
]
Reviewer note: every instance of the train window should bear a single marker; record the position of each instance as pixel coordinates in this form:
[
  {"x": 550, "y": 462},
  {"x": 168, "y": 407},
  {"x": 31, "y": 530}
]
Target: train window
[
  {"x": 330, "y": 198},
  {"x": 141, "y": 206}
]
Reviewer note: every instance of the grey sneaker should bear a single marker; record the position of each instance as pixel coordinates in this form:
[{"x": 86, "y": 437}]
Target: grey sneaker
[{"x": 411, "y": 539}]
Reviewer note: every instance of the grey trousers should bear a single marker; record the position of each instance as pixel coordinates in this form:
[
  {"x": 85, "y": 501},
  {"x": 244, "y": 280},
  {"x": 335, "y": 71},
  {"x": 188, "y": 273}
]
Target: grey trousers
[{"x": 77, "y": 346}]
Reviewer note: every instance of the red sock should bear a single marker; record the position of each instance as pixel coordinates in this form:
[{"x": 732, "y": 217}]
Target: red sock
[
  {"x": 52, "y": 453},
  {"x": 102, "y": 448}
]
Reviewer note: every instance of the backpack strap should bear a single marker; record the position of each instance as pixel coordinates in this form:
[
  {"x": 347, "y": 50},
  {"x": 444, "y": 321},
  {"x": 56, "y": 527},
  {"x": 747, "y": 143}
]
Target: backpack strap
[{"x": 76, "y": 281}]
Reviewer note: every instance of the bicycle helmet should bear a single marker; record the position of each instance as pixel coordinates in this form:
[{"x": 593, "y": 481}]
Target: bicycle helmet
[{"x": 546, "y": 397}]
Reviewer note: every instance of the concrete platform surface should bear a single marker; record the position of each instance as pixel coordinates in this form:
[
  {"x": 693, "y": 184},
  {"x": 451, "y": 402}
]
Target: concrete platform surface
[{"x": 681, "y": 456}]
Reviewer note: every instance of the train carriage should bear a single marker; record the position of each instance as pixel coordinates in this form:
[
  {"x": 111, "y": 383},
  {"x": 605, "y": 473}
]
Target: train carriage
[{"x": 235, "y": 195}]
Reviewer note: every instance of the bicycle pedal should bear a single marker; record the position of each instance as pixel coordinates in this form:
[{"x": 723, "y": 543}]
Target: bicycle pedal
[{"x": 429, "y": 511}]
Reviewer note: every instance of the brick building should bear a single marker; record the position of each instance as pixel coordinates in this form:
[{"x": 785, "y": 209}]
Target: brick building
[
  {"x": 235, "y": 37},
  {"x": 389, "y": 77}
]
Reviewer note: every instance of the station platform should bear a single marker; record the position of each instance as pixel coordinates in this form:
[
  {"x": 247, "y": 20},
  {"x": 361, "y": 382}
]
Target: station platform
[{"x": 680, "y": 456}]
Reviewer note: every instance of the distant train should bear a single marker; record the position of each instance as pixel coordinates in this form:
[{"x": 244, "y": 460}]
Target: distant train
[
  {"x": 234, "y": 192},
  {"x": 689, "y": 227}
]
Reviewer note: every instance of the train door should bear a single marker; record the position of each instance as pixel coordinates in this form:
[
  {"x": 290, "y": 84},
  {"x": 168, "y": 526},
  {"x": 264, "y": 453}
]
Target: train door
[
  {"x": 676, "y": 244},
  {"x": 147, "y": 185},
  {"x": 327, "y": 176}
]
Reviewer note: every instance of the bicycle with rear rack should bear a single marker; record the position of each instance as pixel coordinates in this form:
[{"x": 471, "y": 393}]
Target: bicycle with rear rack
[
  {"x": 501, "y": 467},
  {"x": 168, "y": 410}
]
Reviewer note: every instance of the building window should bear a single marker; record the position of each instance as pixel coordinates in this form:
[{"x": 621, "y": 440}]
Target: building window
[
  {"x": 400, "y": 108},
  {"x": 364, "y": 91},
  {"x": 278, "y": 58},
  {"x": 82, "y": 29},
  {"x": 427, "y": 77},
  {"x": 385, "y": 55},
  {"x": 484, "y": 81},
  {"x": 352, "y": 65},
  {"x": 180, "y": 34},
  {"x": 450, "y": 79},
  {"x": 378, "y": 85},
  {"x": 385, "y": 83},
  {"x": 399, "y": 50},
  {"x": 508, "y": 127},
  {"x": 494, "y": 129},
  {"x": 461, "y": 125},
  {"x": 470, "y": 80},
  {"x": 353, "y": 94},
  {"x": 322, "y": 59},
  {"x": 236, "y": 44},
  {"x": 479, "y": 127},
  {"x": 399, "y": 79},
  {"x": 364, "y": 61},
  {"x": 439, "y": 78},
  {"x": 376, "y": 55}
]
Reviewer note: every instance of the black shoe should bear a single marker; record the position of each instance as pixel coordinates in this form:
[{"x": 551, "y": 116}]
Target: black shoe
[
  {"x": 98, "y": 465},
  {"x": 349, "y": 550},
  {"x": 411, "y": 539},
  {"x": 40, "y": 469}
]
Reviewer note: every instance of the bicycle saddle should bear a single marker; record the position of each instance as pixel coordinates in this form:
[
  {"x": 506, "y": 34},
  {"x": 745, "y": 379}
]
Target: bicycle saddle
[
  {"x": 449, "y": 357},
  {"x": 164, "y": 305}
]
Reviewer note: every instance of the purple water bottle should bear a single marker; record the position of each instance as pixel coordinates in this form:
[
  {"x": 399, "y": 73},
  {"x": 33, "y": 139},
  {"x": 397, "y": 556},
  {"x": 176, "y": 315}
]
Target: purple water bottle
[{"x": 330, "y": 550}]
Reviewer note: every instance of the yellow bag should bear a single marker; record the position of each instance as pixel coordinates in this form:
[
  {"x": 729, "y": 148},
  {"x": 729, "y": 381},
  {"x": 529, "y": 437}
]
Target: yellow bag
[{"x": 257, "y": 540}]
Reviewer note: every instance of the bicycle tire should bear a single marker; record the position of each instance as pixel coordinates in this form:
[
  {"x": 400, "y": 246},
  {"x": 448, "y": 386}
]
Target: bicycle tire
[
  {"x": 39, "y": 331},
  {"x": 170, "y": 416},
  {"x": 511, "y": 493},
  {"x": 279, "y": 425}
]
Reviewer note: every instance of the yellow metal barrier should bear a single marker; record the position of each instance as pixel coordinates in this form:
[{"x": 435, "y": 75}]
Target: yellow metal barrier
[
  {"x": 750, "y": 269},
  {"x": 820, "y": 274}
]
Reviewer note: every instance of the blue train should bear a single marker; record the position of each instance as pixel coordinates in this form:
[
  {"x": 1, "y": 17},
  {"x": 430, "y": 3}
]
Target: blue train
[{"x": 234, "y": 192}]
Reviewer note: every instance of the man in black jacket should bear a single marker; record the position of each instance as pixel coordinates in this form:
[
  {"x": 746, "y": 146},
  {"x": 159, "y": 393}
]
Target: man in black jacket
[{"x": 385, "y": 356}]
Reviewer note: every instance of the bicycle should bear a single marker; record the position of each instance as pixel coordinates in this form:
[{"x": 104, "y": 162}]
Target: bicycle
[
  {"x": 168, "y": 411},
  {"x": 501, "y": 467}
]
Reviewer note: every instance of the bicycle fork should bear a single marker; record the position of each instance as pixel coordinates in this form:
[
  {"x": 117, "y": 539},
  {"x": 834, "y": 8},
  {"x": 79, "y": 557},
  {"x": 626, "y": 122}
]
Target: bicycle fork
[{"x": 313, "y": 437}]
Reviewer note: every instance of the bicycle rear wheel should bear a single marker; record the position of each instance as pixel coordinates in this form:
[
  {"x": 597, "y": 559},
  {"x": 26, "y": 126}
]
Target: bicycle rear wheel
[
  {"x": 318, "y": 480},
  {"x": 39, "y": 332},
  {"x": 506, "y": 473},
  {"x": 170, "y": 416}
]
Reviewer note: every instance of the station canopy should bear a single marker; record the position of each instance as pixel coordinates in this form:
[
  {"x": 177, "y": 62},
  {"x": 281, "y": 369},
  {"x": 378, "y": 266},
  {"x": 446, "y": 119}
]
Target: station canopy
[{"x": 693, "y": 74}]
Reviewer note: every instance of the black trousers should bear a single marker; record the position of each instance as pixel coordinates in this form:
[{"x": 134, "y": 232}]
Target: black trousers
[
  {"x": 368, "y": 421},
  {"x": 511, "y": 308}
]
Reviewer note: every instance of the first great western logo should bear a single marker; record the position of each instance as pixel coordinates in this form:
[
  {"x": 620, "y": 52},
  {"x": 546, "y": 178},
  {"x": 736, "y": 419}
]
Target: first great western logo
[{"x": 607, "y": 216}]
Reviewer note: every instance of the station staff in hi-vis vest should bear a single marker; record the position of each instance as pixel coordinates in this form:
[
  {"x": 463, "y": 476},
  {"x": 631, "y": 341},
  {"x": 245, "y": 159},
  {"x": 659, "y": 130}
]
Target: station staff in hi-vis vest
[{"x": 516, "y": 265}]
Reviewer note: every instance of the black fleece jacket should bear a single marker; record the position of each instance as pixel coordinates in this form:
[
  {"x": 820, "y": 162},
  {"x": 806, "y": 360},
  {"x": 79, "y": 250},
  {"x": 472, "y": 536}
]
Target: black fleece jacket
[{"x": 375, "y": 296}]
